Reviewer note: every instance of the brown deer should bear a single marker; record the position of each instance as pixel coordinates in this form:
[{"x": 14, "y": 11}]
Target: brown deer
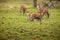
[
  {"x": 42, "y": 9},
  {"x": 22, "y": 9},
  {"x": 37, "y": 16}
]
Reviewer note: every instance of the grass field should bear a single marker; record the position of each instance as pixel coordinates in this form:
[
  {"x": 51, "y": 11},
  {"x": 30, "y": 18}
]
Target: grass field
[{"x": 15, "y": 26}]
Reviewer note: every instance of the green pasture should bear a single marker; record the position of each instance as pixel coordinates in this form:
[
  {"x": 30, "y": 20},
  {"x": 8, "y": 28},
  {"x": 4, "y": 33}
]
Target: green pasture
[{"x": 15, "y": 26}]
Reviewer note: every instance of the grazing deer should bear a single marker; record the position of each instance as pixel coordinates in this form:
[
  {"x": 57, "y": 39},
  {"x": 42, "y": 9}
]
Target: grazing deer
[{"x": 37, "y": 16}]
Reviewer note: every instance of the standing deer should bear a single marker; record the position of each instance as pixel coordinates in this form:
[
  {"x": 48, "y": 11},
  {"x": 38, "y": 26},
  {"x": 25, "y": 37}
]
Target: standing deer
[
  {"x": 42, "y": 9},
  {"x": 22, "y": 9},
  {"x": 37, "y": 16}
]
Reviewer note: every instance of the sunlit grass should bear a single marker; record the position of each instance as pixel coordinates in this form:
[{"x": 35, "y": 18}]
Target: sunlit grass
[{"x": 15, "y": 26}]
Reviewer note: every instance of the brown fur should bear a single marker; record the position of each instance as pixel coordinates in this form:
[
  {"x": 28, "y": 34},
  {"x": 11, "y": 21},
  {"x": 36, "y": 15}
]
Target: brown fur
[
  {"x": 37, "y": 16},
  {"x": 43, "y": 10},
  {"x": 22, "y": 9}
]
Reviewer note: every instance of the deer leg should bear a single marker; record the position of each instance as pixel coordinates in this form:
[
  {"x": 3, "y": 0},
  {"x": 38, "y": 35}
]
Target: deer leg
[
  {"x": 31, "y": 18},
  {"x": 24, "y": 11},
  {"x": 47, "y": 14},
  {"x": 40, "y": 18}
]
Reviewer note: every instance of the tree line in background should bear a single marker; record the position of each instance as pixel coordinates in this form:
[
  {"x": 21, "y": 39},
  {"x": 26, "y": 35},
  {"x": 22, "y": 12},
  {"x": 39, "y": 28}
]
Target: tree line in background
[
  {"x": 34, "y": 1},
  {"x": 25, "y": 0}
]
